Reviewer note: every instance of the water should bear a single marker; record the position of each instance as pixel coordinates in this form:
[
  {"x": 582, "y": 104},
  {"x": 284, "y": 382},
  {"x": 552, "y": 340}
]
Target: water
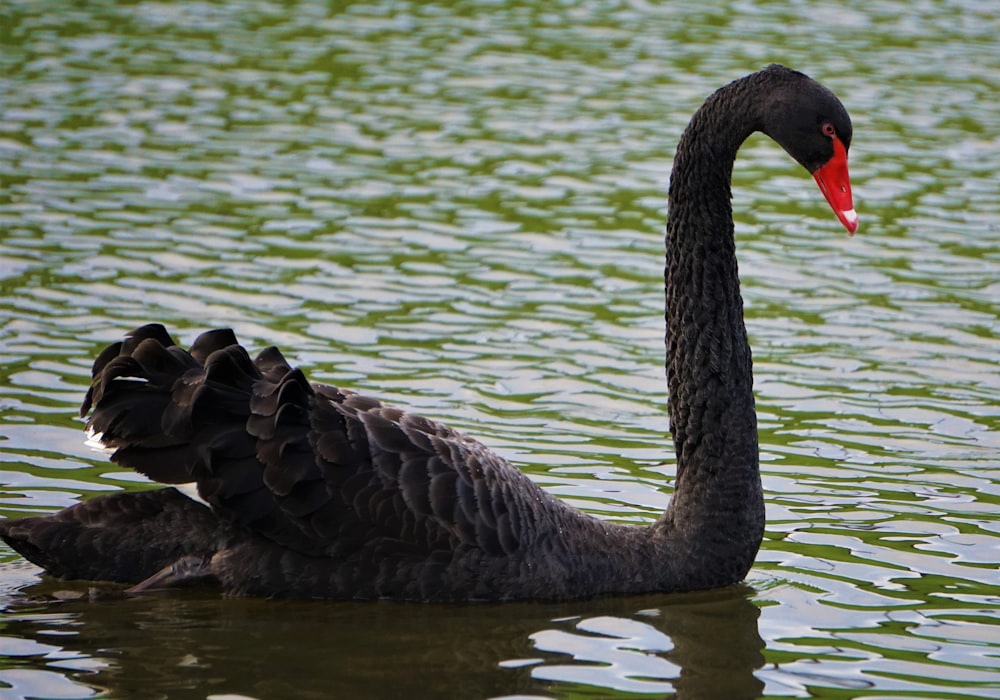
[{"x": 459, "y": 208}]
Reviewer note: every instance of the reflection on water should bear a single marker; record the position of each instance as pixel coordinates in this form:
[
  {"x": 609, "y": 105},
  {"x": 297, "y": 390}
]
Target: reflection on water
[
  {"x": 459, "y": 207},
  {"x": 700, "y": 645}
]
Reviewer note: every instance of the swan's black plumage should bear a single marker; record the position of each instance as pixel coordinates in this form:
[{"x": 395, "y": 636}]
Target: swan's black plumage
[{"x": 319, "y": 492}]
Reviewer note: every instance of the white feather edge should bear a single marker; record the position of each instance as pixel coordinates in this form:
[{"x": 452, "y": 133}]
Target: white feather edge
[
  {"x": 190, "y": 490},
  {"x": 95, "y": 441}
]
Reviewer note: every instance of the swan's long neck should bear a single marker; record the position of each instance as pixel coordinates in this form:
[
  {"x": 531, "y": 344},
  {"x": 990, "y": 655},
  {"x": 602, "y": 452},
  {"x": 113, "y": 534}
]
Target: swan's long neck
[{"x": 717, "y": 502}]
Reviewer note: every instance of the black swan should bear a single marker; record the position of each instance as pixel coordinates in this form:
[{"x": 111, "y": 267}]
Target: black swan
[{"x": 318, "y": 492}]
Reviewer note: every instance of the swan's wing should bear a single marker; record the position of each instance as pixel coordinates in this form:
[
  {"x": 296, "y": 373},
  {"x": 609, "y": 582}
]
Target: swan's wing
[{"x": 318, "y": 470}]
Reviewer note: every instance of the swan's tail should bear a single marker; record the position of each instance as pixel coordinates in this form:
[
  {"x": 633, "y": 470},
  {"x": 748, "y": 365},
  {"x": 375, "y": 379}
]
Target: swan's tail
[
  {"x": 123, "y": 537},
  {"x": 177, "y": 416}
]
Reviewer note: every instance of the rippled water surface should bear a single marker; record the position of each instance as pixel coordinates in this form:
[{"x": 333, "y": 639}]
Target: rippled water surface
[{"x": 459, "y": 207}]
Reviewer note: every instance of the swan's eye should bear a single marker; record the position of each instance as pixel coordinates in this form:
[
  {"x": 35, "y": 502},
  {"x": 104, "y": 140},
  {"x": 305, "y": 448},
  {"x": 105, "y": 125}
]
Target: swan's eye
[{"x": 829, "y": 130}]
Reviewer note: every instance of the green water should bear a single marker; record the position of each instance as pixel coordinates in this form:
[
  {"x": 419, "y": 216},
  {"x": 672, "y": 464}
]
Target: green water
[{"x": 459, "y": 207}]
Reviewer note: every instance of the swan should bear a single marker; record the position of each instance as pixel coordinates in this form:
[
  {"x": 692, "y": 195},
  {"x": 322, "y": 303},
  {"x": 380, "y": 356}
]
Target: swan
[{"x": 311, "y": 491}]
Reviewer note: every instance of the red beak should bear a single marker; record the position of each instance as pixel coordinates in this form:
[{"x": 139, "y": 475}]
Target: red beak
[{"x": 835, "y": 184}]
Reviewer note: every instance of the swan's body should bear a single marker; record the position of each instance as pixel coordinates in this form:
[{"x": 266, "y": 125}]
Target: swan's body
[{"x": 318, "y": 492}]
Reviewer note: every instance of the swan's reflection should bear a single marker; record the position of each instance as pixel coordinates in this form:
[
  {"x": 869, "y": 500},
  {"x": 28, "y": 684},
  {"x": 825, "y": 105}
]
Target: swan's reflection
[{"x": 181, "y": 645}]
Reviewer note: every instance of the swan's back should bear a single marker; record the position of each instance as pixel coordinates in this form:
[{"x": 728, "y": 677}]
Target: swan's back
[{"x": 318, "y": 492}]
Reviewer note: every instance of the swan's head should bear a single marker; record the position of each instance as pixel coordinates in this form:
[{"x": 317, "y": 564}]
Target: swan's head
[{"x": 811, "y": 124}]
